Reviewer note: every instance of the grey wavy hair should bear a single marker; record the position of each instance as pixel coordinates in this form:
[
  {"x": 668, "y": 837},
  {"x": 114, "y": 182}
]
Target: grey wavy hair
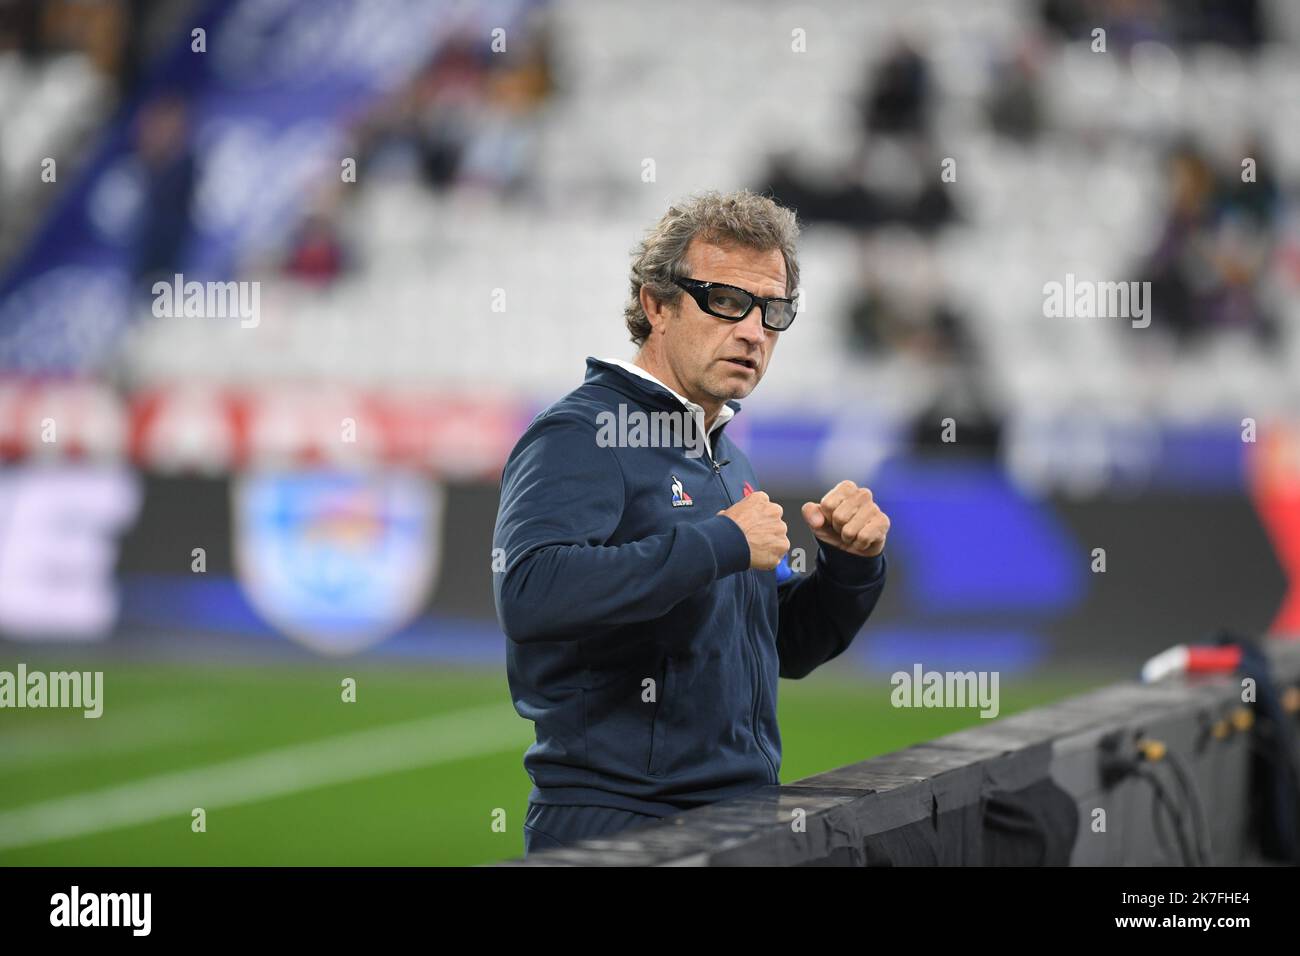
[{"x": 741, "y": 218}]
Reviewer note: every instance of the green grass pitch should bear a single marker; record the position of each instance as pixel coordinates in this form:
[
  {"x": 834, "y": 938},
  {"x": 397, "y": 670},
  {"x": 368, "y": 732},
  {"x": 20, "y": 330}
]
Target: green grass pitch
[{"x": 412, "y": 773}]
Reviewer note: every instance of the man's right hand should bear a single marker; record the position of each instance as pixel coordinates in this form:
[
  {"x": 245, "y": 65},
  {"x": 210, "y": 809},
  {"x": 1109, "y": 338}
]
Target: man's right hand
[{"x": 760, "y": 518}]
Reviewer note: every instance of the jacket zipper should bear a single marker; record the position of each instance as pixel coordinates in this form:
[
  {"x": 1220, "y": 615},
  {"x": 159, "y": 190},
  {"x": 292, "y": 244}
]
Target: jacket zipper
[{"x": 749, "y": 641}]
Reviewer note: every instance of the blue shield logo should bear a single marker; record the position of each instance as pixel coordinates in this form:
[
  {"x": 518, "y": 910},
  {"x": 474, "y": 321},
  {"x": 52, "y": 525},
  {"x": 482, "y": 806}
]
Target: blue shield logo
[{"x": 337, "y": 561}]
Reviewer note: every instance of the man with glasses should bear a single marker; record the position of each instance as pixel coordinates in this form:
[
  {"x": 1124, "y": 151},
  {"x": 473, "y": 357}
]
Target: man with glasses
[{"x": 648, "y": 609}]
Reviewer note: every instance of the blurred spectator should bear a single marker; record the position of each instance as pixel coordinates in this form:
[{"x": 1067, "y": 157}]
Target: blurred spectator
[
  {"x": 959, "y": 396},
  {"x": 884, "y": 183},
  {"x": 885, "y": 186},
  {"x": 1208, "y": 265},
  {"x": 1015, "y": 106},
  {"x": 898, "y": 93},
  {"x": 445, "y": 99},
  {"x": 467, "y": 117},
  {"x": 1260, "y": 200},
  {"x": 900, "y": 313},
  {"x": 162, "y": 149},
  {"x": 499, "y": 155},
  {"x": 20, "y": 28},
  {"x": 884, "y": 322},
  {"x": 316, "y": 253}
]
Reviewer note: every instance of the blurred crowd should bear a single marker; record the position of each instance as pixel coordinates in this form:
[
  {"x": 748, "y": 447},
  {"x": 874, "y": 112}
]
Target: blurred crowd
[
  {"x": 1221, "y": 242},
  {"x": 470, "y": 120}
]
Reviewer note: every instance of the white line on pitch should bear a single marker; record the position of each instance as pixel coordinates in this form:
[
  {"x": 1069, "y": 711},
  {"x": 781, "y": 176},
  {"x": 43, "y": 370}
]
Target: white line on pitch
[
  {"x": 272, "y": 773},
  {"x": 122, "y": 732}
]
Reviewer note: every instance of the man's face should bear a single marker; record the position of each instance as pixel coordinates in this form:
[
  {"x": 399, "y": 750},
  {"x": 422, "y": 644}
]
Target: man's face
[{"x": 715, "y": 358}]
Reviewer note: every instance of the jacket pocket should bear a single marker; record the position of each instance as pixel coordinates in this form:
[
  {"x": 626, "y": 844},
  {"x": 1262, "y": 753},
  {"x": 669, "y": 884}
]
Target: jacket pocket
[
  {"x": 618, "y": 719},
  {"x": 659, "y": 722}
]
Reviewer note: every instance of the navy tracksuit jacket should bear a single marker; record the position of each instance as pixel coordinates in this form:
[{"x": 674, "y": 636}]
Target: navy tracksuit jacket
[{"x": 639, "y": 641}]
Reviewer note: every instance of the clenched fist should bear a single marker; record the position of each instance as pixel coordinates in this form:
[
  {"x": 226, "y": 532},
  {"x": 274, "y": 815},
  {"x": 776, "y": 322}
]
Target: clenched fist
[
  {"x": 760, "y": 518},
  {"x": 849, "y": 519}
]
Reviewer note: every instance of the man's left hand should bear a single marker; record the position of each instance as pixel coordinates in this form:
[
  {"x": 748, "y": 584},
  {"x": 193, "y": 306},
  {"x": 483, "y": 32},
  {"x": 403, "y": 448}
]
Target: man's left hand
[{"x": 848, "y": 518}]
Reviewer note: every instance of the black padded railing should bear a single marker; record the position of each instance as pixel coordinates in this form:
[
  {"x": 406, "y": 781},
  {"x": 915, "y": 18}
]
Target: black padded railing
[{"x": 1034, "y": 788}]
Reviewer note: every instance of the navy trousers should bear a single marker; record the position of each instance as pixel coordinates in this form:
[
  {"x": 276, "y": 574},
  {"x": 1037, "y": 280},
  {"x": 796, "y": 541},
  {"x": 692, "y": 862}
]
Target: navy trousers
[{"x": 547, "y": 827}]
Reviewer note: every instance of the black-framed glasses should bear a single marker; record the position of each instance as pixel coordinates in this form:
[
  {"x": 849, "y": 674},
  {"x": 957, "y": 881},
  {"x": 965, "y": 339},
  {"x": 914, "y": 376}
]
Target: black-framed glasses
[{"x": 733, "y": 304}]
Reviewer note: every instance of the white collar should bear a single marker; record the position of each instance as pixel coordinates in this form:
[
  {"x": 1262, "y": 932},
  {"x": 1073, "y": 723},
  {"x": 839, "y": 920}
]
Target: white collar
[{"x": 725, "y": 413}]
